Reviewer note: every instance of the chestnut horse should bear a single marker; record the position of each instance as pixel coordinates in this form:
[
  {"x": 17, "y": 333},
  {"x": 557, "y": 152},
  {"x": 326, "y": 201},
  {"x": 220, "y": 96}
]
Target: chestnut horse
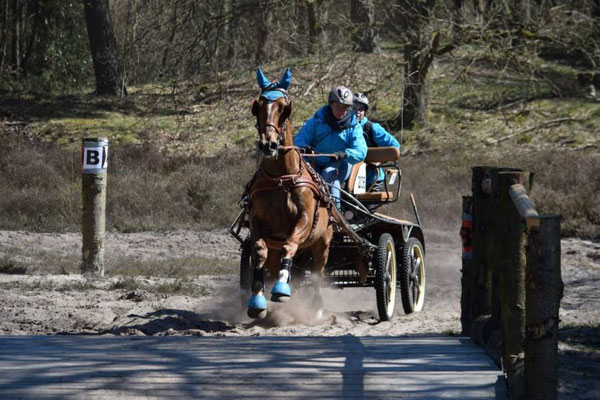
[{"x": 288, "y": 210}]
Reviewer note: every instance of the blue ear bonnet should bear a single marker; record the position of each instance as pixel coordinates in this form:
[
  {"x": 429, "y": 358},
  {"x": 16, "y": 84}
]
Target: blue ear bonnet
[{"x": 273, "y": 90}]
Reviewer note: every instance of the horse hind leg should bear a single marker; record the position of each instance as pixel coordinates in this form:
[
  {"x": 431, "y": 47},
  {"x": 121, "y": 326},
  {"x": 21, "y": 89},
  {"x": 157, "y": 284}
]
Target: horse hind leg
[{"x": 257, "y": 304}]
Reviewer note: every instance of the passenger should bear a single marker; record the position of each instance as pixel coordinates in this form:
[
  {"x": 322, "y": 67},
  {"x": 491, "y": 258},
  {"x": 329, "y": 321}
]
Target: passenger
[
  {"x": 375, "y": 136},
  {"x": 334, "y": 129}
]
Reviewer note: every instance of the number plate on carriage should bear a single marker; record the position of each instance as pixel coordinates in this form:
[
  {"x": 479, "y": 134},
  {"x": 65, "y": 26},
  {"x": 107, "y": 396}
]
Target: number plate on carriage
[{"x": 360, "y": 185}]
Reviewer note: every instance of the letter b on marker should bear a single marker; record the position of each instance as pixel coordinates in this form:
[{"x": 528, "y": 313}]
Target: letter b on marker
[{"x": 94, "y": 156}]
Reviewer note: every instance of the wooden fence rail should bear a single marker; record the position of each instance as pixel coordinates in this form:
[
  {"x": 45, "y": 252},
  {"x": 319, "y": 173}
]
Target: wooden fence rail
[{"x": 511, "y": 283}]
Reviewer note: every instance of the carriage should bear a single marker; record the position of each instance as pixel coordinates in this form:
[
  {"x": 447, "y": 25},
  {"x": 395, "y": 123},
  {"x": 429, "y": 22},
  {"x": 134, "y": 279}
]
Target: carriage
[
  {"x": 296, "y": 233},
  {"x": 368, "y": 248}
]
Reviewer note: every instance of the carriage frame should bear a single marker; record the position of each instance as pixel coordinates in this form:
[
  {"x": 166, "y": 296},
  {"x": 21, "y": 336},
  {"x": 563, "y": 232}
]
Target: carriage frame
[{"x": 368, "y": 248}]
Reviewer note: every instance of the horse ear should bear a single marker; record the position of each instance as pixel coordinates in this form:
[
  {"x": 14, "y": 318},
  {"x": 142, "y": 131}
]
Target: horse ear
[
  {"x": 262, "y": 80},
  {"x": 287, "y": 111},
  {"x": 254, "y": 107},
  {"x": 286, "y": 80}
]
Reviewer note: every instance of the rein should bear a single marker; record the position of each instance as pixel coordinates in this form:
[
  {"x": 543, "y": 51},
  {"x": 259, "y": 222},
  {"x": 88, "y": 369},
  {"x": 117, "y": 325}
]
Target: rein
[{"x": 307, "y": 154}]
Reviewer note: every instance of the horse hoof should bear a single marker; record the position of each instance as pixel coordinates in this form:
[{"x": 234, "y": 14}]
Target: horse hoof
[
  {"x": 280, "y": 298},
  {"x": 257, "y": 313},
  {"x": 257, "y": 306},
  {"x": 280, "y": 289},
  {"x": 281, "y": 292}
]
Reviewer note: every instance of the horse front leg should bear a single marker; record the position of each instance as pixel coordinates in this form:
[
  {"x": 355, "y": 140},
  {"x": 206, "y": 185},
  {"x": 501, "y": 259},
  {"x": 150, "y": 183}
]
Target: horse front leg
[
  {"x": 257, "y": 304},
  {"x": 282, "y": 291}
]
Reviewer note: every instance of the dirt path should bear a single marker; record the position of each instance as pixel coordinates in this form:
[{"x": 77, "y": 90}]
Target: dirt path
[{"x": 49, "y": 303}]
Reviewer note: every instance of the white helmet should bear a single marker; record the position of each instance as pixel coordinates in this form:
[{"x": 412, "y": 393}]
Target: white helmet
[
  {"x": 360, "y": 98},
  {"x": 341, "y": 94}
]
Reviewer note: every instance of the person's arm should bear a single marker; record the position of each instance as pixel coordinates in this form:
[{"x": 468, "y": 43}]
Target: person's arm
[
  {"x": 357, "y": 147},
  {"x": 383, "y": 138}
]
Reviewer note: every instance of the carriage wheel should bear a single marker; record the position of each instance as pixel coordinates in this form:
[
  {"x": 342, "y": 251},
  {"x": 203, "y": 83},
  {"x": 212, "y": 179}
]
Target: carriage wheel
[
  {"x": 385, "y": 277},
  {"x": 412, "y": 276},
  {"x": 246, "y": 273}
]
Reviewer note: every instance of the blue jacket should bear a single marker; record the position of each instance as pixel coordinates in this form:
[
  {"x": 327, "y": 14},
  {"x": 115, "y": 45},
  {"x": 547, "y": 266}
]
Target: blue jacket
[
  {"x": 382, "y": 138},
  {"x": 316, "y": 133}
]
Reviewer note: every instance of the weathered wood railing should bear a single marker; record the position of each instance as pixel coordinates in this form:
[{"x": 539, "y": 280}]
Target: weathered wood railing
[{"x": 511, "y": 282}]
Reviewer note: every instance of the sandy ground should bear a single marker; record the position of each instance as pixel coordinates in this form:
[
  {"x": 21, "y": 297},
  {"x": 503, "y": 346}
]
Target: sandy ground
[{"x": 42, "y": 303}]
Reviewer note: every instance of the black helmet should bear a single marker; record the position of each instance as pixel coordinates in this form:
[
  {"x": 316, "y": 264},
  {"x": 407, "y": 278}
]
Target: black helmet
[
  {"x": 360, "y": 98},
  {"x": 341, "y": 94}
]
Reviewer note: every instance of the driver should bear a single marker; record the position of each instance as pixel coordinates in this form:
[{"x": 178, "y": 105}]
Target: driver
[{"x": 334, "y": 128}]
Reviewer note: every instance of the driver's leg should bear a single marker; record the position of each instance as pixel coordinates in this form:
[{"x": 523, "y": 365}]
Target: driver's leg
[{"x": 335, "y": 173}]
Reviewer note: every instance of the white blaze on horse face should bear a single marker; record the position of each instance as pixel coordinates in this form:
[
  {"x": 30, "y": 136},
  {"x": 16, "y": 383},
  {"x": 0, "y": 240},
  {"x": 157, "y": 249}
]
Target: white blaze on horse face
[{"x": 269, "y": 151}]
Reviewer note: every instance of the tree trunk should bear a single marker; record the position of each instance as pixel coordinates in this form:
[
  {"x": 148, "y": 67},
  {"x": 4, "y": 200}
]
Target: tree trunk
[
  {"x": 313, "y": 27},
  {"x": 362, "y": 14},
  {"x": 232, "y": 33},
  {"x": 595, "y": 14},
  {"x": 16, "y": 36},
  {"x": 415, "y": 99},
  {"x": 35, "y": 12},
  {"x": 132, "y": 58},
  {"x": 103, "y": 45},
  {"x": 414, "y": 17},
  {"x": 165, "y": 56},
  {"x": 4, "y": 40},
  {"x": 263, "y": 22}
]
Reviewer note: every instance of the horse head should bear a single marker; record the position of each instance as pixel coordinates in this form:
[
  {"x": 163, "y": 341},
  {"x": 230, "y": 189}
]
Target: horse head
[{"x": 272, "y": 109}]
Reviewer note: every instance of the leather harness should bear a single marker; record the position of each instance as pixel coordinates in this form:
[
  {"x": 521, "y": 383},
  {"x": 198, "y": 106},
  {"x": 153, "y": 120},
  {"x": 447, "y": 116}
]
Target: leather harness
[
  {"x": 306, "y": 177},
  {"x": 303, "y": 178}
]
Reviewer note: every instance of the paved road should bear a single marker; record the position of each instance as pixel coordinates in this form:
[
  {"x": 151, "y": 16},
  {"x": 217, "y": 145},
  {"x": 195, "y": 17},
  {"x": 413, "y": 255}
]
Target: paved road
[{"x": 347, "y": 367}]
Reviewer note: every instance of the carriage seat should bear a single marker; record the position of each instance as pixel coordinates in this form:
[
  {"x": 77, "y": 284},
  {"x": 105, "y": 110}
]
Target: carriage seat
[{"x": 375, "y": 156}]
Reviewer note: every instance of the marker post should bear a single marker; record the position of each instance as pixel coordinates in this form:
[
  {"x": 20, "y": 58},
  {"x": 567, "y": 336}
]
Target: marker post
[{"x": 94, "y": 163}]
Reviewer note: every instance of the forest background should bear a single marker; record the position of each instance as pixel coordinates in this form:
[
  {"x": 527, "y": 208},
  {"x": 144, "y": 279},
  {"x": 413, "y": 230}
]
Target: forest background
[{"x": 511, "y": 83}]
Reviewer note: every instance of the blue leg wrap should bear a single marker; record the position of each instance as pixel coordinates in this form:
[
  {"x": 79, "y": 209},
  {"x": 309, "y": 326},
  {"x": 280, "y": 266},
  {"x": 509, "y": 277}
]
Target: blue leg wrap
[
  {"x": 281, "y": 289},
  {"x": 257, "y": 302}
]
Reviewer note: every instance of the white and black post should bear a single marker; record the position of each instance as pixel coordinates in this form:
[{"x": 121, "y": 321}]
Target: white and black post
[{"x": 94, "y": 162}]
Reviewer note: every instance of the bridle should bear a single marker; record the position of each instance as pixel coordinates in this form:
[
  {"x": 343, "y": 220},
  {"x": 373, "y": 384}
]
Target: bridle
[{"x": 262, "y": 129}]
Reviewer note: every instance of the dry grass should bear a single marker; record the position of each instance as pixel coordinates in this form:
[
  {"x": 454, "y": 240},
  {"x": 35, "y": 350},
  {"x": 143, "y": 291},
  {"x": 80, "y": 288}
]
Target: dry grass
[
  {"x": 11, "y": 267},
  {"x": 565, "y": 183},
  {"x": 181, "y": 160}
]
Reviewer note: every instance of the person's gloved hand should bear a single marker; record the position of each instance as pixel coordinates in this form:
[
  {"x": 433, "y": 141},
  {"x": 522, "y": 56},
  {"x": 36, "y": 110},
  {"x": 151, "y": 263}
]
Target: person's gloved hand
[
  {"x": 307, "y": 150},
  {"x": 340, "y": 155}
]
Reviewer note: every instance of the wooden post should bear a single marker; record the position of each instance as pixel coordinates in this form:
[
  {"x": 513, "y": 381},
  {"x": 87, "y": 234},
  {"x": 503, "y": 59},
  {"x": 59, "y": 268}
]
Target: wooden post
[
  {"x": 481, "y": 282},
  {"x": 544, "y": 290},
  {"x": 466, "y": 234},
  {"x": 485, "y": 293},
  {"x": 512, "y": 280},
  {"x": 94, "y": 161}
]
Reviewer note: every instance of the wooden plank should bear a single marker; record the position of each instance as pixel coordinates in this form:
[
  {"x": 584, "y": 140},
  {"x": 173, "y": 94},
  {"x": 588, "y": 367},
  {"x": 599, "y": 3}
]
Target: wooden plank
[{"x": 265, "y": 367}]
